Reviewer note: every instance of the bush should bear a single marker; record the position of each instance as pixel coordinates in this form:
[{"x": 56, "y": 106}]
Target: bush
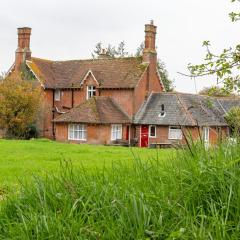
[
  {"x": 233, "y": 119},
  {"x": 31, "y": 132},
  {"x": 193, "y": 196},
  {"x": 19, "y": 105}
]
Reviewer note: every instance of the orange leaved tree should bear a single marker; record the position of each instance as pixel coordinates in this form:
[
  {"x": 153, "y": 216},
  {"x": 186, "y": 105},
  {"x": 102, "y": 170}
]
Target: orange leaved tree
[{"x": 19, "y": 106}]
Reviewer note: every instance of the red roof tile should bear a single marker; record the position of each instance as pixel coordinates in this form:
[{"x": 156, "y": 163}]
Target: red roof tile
[
  {"x": 99, "y": 110},
  {"x": 110, "y": 73}
]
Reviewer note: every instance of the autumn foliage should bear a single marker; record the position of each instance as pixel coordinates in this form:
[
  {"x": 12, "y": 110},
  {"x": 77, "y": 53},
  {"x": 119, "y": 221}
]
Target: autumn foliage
[{"x": 19, "y": 106}]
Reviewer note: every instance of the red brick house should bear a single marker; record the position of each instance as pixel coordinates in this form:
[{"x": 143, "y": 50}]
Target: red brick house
[{"x": 106, "y": 99}]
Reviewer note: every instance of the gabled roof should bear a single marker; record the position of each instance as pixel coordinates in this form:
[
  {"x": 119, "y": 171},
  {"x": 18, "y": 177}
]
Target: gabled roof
[
  {"x": 96, "y": 110},
  {"x": 185, "y": 110},
  {"x": 109, "y": 73}
]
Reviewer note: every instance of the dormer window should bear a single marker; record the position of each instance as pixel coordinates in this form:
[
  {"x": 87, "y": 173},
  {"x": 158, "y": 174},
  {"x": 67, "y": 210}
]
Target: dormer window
[
  {"x": 162, "y": 112},
  {"x": 57, "y": 95},
  {"x": 91, "y": 91}
]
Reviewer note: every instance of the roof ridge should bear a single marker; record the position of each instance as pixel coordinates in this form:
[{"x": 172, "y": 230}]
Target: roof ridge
[
  {"x": 200, "y": 95},
  {"x": 87, "y": 59},
  {"x": 42, "y": 59}
]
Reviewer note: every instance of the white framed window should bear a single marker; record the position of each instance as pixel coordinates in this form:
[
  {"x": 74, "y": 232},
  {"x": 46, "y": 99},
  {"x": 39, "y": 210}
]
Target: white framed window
[
  {"x": 152, "y": 131},
  {"x": 57, "y": 95},
  {"x": 116, "y": 132},
  {"x": 91, "y": 91},
  {"x": 77, "y": 132},
  {"x": 175, "y": 133}
]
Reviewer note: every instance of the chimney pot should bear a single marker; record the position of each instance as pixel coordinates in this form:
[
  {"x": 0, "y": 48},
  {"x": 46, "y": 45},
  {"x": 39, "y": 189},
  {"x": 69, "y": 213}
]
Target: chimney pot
[{"x": 103, "y": 54}]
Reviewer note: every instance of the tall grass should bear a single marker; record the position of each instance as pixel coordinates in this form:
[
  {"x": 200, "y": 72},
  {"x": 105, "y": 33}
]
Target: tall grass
[{"x": 193, "y": 196}]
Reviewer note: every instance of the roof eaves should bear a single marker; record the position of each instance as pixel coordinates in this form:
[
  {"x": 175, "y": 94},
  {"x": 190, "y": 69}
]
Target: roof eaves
[
  {"x": 28, "y": 63},
  {"x": 86, "y": 76},
  {"x": 145, "y": 70},
  {"x": 10, "y": 70},
  {"x": 160, "y": 80}
]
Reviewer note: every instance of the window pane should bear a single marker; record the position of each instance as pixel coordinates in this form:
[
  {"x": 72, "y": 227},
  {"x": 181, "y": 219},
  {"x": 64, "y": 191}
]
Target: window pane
[
  {"x": 84, "y": 135},
  {"x": 77, "y": 132},
  {"x": 75, "y": 135},
  {"x": 71, "y": 134},
  {"x": 206, "y": 134},
  {"x": 175, "y": 133},
  {"x": 152, "y": 131},
  {"x": 91, "y": 91},
  {"x": 116, "y": 132},
  {"x": 57, "y": 95}
]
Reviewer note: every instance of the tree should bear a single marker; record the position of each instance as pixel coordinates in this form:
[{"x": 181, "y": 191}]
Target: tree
[
  {"x": 111, "y": 51},
  {"x": 121, "y": 52},
  {"x": 167, "y": 82},
  {"x": 215, "y": 91},
  {"x": 233, "y": 119},
  {"x": 225, "y": 66},
  {"x": 19, "y": 106}
]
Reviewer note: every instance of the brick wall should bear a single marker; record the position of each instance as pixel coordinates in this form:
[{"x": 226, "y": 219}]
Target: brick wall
[
  {"x": 123, "y": 97},
  {"x": 215, "y": 134},
  {"x": 48, "y": 114},
  {"x": 150, "y": 82},
  {"x": 96, "y": 134}
]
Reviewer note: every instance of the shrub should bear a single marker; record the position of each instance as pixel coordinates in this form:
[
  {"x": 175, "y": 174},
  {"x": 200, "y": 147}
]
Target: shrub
[
  {"x": 233, "y": 119},
  {"x": 19, "y": 105}
]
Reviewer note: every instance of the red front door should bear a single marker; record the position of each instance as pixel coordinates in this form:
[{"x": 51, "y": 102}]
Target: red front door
[
  {"x": 127, "y": 133},
  {"x": 144, "y": 136}
]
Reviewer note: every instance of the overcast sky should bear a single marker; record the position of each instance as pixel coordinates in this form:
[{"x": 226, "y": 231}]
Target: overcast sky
[{"x": 69, "y": 29}]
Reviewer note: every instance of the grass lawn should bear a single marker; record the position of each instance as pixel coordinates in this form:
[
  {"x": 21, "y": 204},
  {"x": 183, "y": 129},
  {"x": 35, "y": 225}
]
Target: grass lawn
[
  {"x": 194, "y": 195},
  {"x": 24, "y": 158}
]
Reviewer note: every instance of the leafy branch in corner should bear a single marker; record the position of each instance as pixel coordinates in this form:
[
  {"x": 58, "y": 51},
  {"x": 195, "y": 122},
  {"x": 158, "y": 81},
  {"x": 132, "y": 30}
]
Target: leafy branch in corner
[{"x": 225, "y": 66}]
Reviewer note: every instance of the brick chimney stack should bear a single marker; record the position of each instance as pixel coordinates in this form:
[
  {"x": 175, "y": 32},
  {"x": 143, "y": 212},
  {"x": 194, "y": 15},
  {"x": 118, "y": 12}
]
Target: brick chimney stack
[
  {"x": 23, "y": 51},
  {"x": 149, "y": 51},
  {"x": 150, "y": 57}
]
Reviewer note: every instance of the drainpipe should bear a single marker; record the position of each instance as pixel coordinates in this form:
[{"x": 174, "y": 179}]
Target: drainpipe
[
  {"x": 53, "y": 115},
  {"x": 72, "y": 98},
  {"x": 129, "y": 136}
]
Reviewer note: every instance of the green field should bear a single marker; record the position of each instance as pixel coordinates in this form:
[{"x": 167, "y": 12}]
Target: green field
[
  {"x": 20, "y": 159},
  {"x": 119, "y": 193}
]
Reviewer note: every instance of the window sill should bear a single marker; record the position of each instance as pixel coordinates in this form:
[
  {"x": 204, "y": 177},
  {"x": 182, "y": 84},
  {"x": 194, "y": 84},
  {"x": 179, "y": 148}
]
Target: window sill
[{"x": 77, "y": 139}]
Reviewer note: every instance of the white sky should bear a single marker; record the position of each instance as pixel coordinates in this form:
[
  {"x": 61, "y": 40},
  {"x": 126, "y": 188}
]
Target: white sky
[{"x": 69, "y": 29}]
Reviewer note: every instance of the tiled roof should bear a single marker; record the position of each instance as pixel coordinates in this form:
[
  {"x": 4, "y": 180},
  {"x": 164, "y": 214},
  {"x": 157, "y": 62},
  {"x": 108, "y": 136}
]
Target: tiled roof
[
  {"x": 97, "y": 110},
  {"x": 110, "y": 72},
  {"x": 185, "y": 109}
]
